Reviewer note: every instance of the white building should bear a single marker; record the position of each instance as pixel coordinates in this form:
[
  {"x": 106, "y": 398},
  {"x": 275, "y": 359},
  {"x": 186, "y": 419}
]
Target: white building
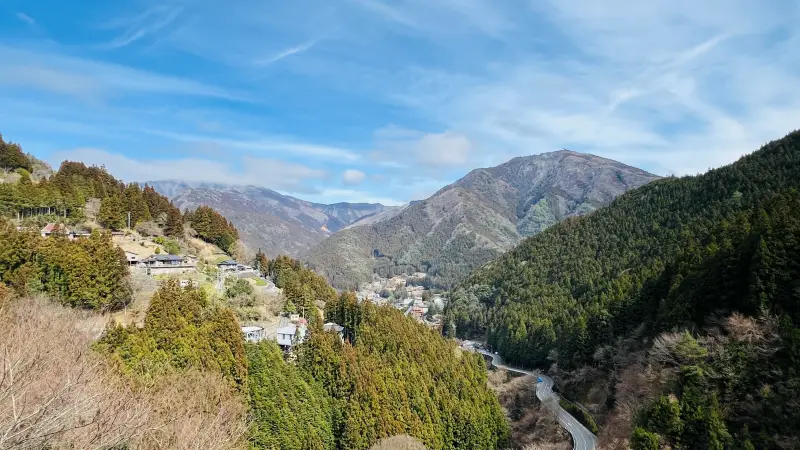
[
  {"x": 253, "y": 333},
  {"x": 133, "y": 258},
  {"x": 336, "y": 328},
  {"x": 290, "y": 335}
]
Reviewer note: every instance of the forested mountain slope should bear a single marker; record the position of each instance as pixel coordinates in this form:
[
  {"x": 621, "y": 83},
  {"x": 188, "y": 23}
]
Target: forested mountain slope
[
  {"x": 276, "y": 223},
  {"x": 717, "y": 255},
  {"x": 476, "y": 218}
]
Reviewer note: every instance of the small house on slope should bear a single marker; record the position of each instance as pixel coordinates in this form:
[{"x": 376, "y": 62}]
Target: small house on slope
[
  {"x": 253, "y": 333},
  {"x": 166, "y": 264},
  {"x": 335, "y": 328},
  {"x": 229, "y": 265},
  {"x": 290, "y": 335}
]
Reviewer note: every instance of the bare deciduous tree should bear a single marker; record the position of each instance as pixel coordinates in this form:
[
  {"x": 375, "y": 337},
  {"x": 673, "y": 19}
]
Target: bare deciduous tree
[{"x": 56, "y": 392}]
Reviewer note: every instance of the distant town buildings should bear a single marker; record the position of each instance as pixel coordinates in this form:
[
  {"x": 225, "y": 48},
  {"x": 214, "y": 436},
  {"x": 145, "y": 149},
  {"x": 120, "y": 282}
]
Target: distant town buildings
[{"x": 398, "y": 293}]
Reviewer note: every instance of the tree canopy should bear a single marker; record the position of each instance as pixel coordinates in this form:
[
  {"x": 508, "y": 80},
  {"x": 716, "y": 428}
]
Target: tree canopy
[
  {"x": 212, "y": 227},
  {"x": 87, "y": 273},
  {"x": 12, "y": 157},
  {"x": 182, "y": 330}
]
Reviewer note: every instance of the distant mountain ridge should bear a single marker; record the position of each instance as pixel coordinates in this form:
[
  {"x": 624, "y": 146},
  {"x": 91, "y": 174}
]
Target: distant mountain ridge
[
  {"x": 475, "y": 219},
  {"x": 276, "y": 223}
]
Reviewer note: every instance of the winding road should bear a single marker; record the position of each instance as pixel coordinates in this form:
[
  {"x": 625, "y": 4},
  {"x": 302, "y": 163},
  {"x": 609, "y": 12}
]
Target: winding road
[{"x": 582, "y": 438}]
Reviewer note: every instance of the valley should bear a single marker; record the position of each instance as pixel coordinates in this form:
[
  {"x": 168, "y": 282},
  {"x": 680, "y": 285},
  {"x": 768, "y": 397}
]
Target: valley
[{"x": 638, "y": 317}]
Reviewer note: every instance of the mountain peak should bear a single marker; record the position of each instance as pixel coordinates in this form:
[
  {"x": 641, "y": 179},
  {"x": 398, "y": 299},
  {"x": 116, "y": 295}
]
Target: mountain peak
[{"x": 486, "y": 212}]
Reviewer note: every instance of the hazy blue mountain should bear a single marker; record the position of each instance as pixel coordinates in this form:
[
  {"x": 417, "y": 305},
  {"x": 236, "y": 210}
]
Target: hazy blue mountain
[{"x": 276, "y": 223}]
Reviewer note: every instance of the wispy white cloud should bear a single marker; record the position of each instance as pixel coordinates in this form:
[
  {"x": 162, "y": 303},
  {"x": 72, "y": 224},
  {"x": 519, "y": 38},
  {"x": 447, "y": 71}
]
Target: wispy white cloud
[
  {"x": 386, "y": 11},
  {"x": 150, "y": 22},
  {"x": 646, "y": 83},
  {"x": 443, "y": 16},
  {"x": 26, "y": 18},
  {"x": 91, "y": 79},
  {"x": 267, "y": 145},
  {"x": 285, "y": 54},
  {"x": 670, "y": 85},
  {"x": 403, "y": 147}
]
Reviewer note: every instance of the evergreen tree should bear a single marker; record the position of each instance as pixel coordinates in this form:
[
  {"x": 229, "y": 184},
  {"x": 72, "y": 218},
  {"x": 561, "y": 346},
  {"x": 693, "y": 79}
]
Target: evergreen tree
[
  {"x": 181, "y": 330},
  {"x": 12, "y": 157},
  {"x": 136, "y": 205},
  {"x": 261, "y": 263},
  {"x": 289, "y": 411},
  {"x": 174, "y": 223},
  {"x": 112, "y": 214}
]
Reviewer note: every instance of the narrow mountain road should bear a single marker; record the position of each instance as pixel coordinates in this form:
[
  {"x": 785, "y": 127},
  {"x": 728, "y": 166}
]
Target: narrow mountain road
[{"x": 582, "y": 438}]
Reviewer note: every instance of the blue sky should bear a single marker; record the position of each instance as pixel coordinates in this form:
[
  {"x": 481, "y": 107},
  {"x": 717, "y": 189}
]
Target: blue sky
[{"x": 377, "y": 100}]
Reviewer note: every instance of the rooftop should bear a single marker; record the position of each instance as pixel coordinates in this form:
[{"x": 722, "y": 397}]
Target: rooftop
[
  {"x": 164, "y": 258},
  {"x": 330, "y": 326},
  {"x": 52, "y": 226}
]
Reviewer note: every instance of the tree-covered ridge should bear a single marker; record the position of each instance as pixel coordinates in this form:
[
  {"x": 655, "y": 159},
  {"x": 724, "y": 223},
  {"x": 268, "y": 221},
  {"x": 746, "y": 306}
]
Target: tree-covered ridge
[
  {"x": 63, "y": 196},
  {"x": 671, "y": 255},
  {"x": 394, "y": 376},
  {"x": 86, "y": 273}
]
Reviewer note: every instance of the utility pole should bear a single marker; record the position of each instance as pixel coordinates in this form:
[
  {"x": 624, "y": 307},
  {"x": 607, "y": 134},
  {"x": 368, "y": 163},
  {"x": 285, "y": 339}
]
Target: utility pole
[{"x": 129, "y": 220}]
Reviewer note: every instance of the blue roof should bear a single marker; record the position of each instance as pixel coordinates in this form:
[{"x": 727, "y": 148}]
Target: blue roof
[{"x": 228, "y": 262}]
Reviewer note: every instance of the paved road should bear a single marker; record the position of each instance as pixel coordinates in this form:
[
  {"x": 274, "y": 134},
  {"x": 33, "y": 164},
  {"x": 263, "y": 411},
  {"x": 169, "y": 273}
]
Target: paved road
[{"x": 582, "y": 438}]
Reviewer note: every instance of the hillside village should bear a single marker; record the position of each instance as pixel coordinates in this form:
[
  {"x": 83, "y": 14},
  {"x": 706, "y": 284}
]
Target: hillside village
[
  {"x": 154, "y": 259},
  {"x": 406, "y": 293}
]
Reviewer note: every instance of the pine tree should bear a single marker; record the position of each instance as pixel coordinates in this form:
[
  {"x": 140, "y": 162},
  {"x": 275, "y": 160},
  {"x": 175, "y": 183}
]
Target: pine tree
[
  {"x": 112, "y": 214},
  {"x": 174, "y": 224},
  {"x": 136, "y": 204}
]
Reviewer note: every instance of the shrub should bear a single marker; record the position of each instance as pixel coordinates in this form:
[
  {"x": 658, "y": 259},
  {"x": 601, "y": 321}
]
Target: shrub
[{"x": 644, "y": 440}]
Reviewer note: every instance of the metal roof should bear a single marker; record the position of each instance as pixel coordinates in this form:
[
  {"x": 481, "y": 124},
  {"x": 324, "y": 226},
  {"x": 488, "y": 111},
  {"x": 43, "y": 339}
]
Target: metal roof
[{"x": 165, "y": 258}]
